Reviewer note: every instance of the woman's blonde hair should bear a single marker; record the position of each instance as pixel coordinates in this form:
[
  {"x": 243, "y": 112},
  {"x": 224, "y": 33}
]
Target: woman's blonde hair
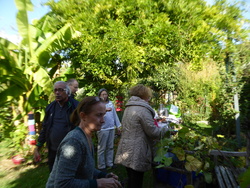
[{"x": 141, "y": 91}]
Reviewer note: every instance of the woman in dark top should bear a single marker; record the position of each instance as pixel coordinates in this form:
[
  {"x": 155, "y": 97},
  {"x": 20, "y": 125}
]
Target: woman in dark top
[{"x": 74, "y": 165}]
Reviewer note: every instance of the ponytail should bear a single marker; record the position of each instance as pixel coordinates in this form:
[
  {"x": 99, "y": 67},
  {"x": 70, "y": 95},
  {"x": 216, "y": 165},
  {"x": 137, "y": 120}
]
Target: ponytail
[{"x": 74, "y": 118}]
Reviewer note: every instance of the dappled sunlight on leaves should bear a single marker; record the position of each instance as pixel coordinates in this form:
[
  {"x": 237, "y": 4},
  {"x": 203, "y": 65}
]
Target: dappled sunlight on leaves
[
  {"x": 192, "y": 164},
  {"x": 180, "y": 153}
]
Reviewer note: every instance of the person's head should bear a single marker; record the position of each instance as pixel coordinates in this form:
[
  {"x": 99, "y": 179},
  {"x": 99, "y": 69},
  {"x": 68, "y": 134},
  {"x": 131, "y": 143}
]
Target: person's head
[
  {"x": 141, "y": 91},
  {"x": 89, "y": 114},
  {"x": 61, "y": 91},
  {"x": 73, "y": 84},
  {"x": 103, "y": 93}
]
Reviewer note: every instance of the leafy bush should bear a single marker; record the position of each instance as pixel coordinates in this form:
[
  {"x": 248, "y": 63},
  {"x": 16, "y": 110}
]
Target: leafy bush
[
  {"x": 6, "y": 127},
  {"x": 196, "y": 89},
  {"x": 18, "y": 138},
  {"x": 191, "y": 149},
  {"x": 223, "y": 114}
]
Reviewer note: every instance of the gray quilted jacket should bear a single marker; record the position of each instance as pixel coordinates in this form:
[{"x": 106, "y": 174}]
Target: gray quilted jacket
[{"x": 138, "y": 132}]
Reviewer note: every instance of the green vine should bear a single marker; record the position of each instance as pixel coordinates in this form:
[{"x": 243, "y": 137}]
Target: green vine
[{"x": 190, "y": 149}]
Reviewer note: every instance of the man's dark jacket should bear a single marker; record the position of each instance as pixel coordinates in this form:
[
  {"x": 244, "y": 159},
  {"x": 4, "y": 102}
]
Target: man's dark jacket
[{"x": 48, "y": 120}]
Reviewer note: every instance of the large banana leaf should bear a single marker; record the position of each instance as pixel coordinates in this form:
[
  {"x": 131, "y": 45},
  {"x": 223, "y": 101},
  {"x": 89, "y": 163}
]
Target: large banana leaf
[
  {"x": 23, "y": 22},
  {"x": 27, "y": 65},
  {"x": 12, "y": 92},
  {"x": 25, "y": 5},
  {"x": 56, "y": 41},
  {"x": 35, "y": 50},
  {"x": 8, "y": 54},
  {"x": 42, "y": 56},
  {"x": 8, "y": 44}
]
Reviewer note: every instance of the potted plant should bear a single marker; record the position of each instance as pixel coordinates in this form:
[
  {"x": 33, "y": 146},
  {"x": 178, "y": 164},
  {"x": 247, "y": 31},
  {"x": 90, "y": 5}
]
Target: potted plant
[{"x": 188, "y": 150}]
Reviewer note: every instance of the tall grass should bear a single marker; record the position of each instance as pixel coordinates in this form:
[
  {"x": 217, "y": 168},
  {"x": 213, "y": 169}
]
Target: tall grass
[{"x": 197, "y": 89}]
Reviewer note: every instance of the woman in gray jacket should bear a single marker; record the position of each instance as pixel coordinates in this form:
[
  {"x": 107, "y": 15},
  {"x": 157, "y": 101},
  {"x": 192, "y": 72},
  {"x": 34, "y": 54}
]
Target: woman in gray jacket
[{"x": 135, "y": 147}]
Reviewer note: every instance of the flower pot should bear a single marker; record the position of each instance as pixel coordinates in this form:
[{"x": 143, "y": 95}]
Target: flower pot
[{"x": 17, "y": 159}]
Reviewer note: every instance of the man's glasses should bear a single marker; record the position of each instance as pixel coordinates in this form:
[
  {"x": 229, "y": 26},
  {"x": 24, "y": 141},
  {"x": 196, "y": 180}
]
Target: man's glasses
[{"x": 59, "y": 90}]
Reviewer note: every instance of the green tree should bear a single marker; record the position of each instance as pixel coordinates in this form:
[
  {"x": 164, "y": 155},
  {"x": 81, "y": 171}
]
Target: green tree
[
  {"x": 123, "y": 42},
  {"x": 27, "y": 71}
]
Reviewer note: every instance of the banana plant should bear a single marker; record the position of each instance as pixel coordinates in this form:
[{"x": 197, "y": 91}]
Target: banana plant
[{"x": 27, "y": 69}]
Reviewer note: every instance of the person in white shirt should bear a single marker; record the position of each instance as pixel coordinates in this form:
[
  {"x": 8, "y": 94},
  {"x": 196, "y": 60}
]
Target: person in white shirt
[{"x": 105, "y": 149}]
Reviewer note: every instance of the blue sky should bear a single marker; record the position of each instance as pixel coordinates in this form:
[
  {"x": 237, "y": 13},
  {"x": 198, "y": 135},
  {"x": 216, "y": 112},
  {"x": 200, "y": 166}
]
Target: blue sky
[
  {"x": 8, "y": 27},
  {"x": 8, "y": 11}
]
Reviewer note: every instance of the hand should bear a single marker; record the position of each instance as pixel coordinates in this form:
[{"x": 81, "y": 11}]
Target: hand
[
  {"x": 111, "y": 175},
  {"x": 119, "y": 131},
  {"x": 108, "y": 183},
  {"x": 108, "y": 109},
  {"x": 37, "y": 156}
]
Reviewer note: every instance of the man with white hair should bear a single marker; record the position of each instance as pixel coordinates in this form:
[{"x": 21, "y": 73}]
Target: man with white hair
[{"x": 56, "y": 123}]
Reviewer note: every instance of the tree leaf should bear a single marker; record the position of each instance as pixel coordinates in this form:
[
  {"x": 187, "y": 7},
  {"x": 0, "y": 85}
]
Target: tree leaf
[{"x": 192, "y": 163}]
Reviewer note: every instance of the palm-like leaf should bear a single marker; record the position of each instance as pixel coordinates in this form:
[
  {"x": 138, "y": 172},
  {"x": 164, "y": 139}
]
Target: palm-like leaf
[{"x": 27, "y": 64}]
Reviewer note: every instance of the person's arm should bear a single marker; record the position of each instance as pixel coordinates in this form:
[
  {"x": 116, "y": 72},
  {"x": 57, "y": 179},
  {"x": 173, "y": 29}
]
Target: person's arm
[
  {"x": 99, "y": 174},
  {"x": 46, "y": 120},
  {"x": 116, "y": 118},
  {"x": 42, "y": 137},
  {"x": 39, "y": 145},
  {"x": 147, "y": 122}
]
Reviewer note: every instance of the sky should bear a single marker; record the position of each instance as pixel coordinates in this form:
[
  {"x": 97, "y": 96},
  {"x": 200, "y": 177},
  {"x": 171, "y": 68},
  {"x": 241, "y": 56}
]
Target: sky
[{"x": 8, "y": 11}]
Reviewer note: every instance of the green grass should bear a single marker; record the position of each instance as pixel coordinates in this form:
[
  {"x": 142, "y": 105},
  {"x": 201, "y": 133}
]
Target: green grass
[
  {"x": 21, "y": 176},
  {"x": 25, "y": 177}
]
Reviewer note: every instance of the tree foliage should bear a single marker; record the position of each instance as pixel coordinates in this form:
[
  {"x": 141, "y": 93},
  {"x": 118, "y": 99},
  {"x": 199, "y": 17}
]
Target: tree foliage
[
  {"x": 27, "y": 69},
  {"x": 121, "y": 41}
]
